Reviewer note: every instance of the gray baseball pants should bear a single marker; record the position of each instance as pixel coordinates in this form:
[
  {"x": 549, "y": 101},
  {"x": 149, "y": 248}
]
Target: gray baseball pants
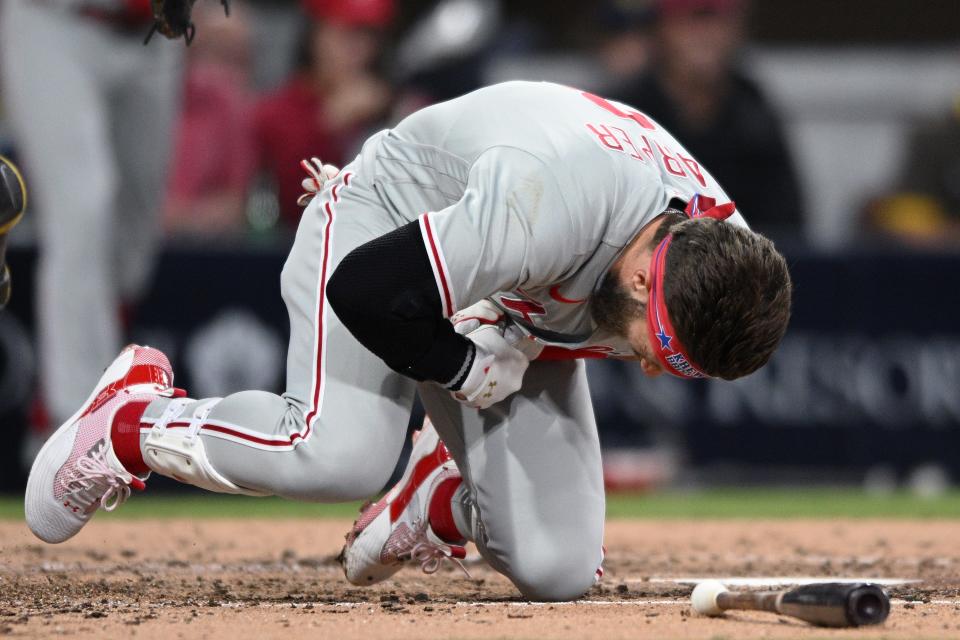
[
  {"x": 92, "y": 111},
  {"x": 531, "y": 462}
]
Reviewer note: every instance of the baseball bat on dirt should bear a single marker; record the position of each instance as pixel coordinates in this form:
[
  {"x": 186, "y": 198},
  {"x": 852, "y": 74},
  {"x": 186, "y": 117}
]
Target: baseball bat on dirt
[
  {"x": 828, "y": 604},
  {"x": 13, "y": 201}
]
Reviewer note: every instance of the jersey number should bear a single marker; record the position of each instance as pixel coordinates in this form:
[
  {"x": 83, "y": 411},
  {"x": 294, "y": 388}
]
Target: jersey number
[{"x": 636, "y": 116}]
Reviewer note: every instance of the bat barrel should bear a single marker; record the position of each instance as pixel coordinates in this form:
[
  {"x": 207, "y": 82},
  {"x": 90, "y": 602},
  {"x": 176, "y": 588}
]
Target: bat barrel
[
  {"x": 829, "y": 604},
  {"x": 837, "y": 604}
]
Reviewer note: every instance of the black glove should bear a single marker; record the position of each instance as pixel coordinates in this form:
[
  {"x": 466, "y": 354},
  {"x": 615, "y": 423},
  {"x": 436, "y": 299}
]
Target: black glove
[{"x": 171, "y": 18}]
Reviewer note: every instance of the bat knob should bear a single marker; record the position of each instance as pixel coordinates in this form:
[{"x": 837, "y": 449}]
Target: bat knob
[
  {"x": 704, "y": 597},
  {"x": 867, "y": 604}
]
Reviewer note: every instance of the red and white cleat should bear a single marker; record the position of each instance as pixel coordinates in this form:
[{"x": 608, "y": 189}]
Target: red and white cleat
[
  {"x": 77, "y": 471},
  {"x": 396, "y": 529}
]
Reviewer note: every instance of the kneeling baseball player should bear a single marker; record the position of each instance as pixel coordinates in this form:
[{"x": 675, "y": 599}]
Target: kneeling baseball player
[{"x": 475, "y": 254}]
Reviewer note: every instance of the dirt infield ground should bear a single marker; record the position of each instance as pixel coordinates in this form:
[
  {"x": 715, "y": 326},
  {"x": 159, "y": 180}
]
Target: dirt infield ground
[{"x": 278, "y": 579}]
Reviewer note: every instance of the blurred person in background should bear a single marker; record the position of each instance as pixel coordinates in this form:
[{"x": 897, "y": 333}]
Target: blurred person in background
[
  {"x": 214, "y": 156},
  {"x": 274, "y": 26},
  {"x": 626, "y": 45},
  {"x": 447, "y": 50},
  {"x": 925, "y": 211},
  {"x": 91, "y": 110},
  {"x": 332, "y": 101},
  {"x": 696, "y": 89}
]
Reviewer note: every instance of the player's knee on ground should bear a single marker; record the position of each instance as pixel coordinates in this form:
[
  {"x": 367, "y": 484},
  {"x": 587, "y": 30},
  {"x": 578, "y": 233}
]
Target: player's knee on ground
[
  {"x": 550, "y": 552},
  {"x": 554, "y": 572}
]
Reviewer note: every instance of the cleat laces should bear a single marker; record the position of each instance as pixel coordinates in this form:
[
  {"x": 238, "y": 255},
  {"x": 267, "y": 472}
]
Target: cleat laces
[
  {"x": 95, "y": 484},
  {"x": 428, "y": 553}
]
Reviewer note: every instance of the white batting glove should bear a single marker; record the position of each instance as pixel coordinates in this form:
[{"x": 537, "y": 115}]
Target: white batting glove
[
  {"x": 475, "y": 316},
  {"x": 317, "y": 175},
  {"x": 485, "y": 313},
  {"x": 497, "y": 369}
]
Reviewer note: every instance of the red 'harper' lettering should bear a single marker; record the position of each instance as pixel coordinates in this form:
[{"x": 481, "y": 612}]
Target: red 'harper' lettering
[
  {"x": 646, "y": 148},
  {"x": 607, "y": 138},
  {"x": 694, "y": 167},
  {"x": 615, "y": 138},
  {"x": 626, "y": 138},
  {"x": 672, "y": 164}
]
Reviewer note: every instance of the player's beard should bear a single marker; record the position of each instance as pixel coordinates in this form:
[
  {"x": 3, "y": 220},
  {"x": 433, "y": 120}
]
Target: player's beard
[{"x": 613, "y": 308}]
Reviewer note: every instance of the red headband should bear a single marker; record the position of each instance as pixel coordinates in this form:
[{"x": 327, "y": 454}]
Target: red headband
[{"x": 663, "y": 338}]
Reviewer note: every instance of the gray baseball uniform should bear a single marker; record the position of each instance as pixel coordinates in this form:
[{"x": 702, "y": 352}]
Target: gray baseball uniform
[
  {"x": 92, "y": 110},
  {"x": 525, "y": 193},
  {"x": 560, "y": 182}
]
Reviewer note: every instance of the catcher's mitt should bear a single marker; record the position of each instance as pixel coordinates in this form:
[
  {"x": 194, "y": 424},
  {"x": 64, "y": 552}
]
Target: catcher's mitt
[{"x": 171, "y": 18}]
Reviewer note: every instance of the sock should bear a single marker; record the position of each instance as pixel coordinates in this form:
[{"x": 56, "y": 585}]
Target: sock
[
  {"x": 125, "y": 437},
  {"x": 440, "y": 512}
]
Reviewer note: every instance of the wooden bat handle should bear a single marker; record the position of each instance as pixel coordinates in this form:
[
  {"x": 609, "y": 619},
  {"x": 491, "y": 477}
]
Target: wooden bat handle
[{"x": 749, "y": 600}]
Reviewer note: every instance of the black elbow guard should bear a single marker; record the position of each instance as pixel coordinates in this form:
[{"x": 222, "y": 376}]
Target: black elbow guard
[{"x": 384, "y": 292}]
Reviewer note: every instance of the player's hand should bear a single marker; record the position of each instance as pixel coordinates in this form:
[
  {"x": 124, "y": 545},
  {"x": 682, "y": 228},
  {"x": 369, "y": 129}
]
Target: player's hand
[
  {"x": 171, "y": 18},
  {"x": 317, "y": 175},
  {"x": 497, "y": 369},
  {"x": 475, "y": 316},
  {"x": 485, "y": 313}
]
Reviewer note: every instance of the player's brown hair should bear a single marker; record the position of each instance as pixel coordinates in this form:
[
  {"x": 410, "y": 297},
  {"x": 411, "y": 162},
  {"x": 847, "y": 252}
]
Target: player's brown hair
[{"x": 728, "y": 292}]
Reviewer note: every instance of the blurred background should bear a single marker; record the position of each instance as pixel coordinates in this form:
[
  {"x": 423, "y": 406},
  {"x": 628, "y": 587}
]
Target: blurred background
[{"x": 164, "y": 182}]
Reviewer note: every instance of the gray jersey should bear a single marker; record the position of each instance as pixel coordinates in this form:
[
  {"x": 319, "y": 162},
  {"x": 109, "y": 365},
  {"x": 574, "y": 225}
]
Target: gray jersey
[
  {"x": 525, "y": 194},
  {"x": 559, "y": 182}
]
